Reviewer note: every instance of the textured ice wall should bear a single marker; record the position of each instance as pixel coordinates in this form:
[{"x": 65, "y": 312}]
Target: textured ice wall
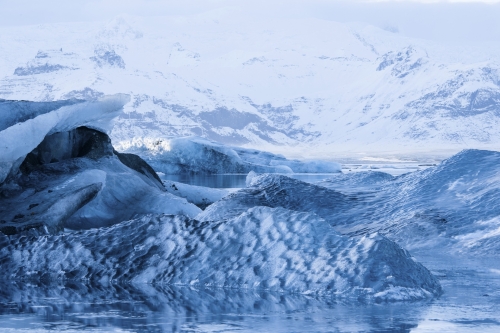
[
  {"x": 451, "y": 207},
  {"x": 357, "y": 181},
  {"x": 459, "y": 199},
  {"x": 263, "y": 248}
]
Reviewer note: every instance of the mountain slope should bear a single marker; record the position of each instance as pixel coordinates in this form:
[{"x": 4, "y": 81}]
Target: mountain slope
[{"x": 292, "y": 86}]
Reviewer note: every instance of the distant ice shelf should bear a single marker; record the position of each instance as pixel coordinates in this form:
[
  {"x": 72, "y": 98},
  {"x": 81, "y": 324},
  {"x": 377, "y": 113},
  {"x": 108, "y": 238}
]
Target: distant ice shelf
[{"x": 200, "y": 156}]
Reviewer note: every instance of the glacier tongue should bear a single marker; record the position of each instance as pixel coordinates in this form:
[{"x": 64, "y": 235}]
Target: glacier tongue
[{"x": 262, "y": 248}]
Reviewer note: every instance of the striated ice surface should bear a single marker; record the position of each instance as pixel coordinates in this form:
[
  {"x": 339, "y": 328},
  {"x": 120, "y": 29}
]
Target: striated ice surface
[
  {"x": 459, "y": 200},
  {"x": 262, "y": 248},
  {"x": 13, "y": 112},
  {"x": 452, "y": 207},
  {"x": 197, "y": 155},
  {"x": 273, "y": 190},
  {"x": 357, "y": 181}
]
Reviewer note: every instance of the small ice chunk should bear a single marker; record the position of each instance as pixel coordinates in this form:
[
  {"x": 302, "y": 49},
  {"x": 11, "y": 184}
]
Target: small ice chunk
[{"x": 250, "y": 177}]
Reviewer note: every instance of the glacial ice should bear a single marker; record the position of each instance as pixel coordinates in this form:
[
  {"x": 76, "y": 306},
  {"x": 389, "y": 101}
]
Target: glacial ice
[
  {"x": 122, "y": 194},
  {"x": 198, "y": 195},
  {"x": 357, "y": 181},
  {"x": 274, "y": 190},
  {"x": 110, "y": 218},
  {"x": 21, "y": 134},
  {"x": 197, "y": 155},
  {"x": 13, "y": 112},
  {"x": 452, "y": 207},
  {"x": 263, "y": 248},
  {"x": 58, "y": 173},
  {"x": 458, "y": 200}
]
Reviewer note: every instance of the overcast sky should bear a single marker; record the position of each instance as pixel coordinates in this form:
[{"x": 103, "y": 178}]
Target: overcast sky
[{"x": 454, "y": 20}]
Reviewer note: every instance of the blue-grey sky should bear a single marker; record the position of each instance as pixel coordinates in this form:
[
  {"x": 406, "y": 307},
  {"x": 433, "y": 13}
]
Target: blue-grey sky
[{"x": 454, "y": 20}]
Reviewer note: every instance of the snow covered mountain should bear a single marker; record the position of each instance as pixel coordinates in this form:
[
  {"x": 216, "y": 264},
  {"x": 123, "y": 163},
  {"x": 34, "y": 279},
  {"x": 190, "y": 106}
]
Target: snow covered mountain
[{"x": 292, "y": 86}]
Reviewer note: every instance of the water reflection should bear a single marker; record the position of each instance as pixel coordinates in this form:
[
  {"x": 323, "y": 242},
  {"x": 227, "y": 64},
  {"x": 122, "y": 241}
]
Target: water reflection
[
  {"x": 469, "y": 303},
  {"x": 238, "y": 180},
  {"x": 146, "y": 308}
]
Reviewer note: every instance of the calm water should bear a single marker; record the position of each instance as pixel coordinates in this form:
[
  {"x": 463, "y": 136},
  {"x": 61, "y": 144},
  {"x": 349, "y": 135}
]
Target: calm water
[
  {"x": 238, "y": 180},
  {"x": 469, "y": 304},
  {"x": 234, "y": 180}
]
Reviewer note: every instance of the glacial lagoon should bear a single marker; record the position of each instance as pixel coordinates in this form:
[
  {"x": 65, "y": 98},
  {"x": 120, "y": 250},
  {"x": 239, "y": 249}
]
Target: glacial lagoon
[{"x": 469, "y": 304}]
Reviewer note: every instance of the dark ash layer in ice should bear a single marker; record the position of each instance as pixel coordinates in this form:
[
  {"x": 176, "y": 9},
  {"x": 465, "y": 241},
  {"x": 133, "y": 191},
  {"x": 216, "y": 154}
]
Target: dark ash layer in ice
[
  {"x": 75, "y": 179},
  {"x": 263, "y": 248}
]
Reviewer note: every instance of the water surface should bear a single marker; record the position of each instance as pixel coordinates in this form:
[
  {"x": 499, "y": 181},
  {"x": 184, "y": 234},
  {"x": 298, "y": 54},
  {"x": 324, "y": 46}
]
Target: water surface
[{"x": 469, "y": 304}]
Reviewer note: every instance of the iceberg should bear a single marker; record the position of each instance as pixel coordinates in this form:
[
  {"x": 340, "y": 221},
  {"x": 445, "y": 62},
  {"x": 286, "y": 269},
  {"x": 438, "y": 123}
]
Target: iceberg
[
  {"x": 274, "y": 190},
  {"x": 198, "y": 195},
  {"x": 21, "y": 132},
  {"x": 263, "y": 248},
  {"x": 452, "y": 207},
  {"x": 197, "y": 155},
  {"x": 459, "y": 200},
  {"x": 60, "y": 171}
]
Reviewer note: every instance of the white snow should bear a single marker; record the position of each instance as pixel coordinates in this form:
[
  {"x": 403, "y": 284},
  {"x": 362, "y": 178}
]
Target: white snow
[{"x": 300, "y": 87}]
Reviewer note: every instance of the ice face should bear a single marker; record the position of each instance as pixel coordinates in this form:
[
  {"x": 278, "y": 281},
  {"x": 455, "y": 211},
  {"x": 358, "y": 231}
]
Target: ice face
[
  {"x": 459, "y": 199},
  {"x": 358, "y": 181},
  {"x": 76, "y": 180},
  {"x": 58, "y": 196},
  {"x": 13, "y": 112},
  {"x": 197, "y": 155},
  {"x": 262, "y": 248},
  {"x": 30, "y": 128},
  {"x": 125, "y": 194}
]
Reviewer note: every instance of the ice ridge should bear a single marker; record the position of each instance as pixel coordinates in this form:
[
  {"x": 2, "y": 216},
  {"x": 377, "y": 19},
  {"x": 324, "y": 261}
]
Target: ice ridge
[{"x": 263, "y": 248}]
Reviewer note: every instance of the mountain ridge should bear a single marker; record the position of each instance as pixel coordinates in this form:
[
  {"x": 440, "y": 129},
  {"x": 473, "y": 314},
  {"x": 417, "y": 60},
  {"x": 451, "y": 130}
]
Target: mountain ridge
[{"x": 295, "y": 86}]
